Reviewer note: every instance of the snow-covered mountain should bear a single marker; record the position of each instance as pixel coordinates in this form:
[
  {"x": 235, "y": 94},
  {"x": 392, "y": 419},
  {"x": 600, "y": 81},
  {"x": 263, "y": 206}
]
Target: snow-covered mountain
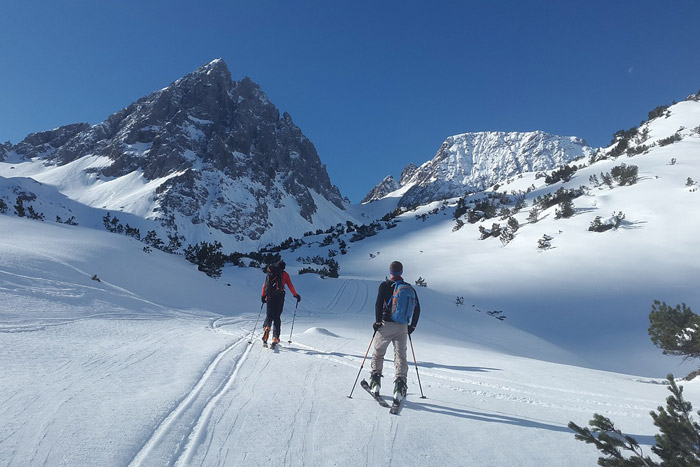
[
  {"x": 207, "y": 158},
  {"x": 113, "y": 355},
  {"x": 472, "y": 162}
]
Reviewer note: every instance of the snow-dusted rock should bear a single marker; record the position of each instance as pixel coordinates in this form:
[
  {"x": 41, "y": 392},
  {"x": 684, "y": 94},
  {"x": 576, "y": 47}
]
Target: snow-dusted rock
[
  {"x": 224, "y": 159},
  {"x": 475, "y": 161}
]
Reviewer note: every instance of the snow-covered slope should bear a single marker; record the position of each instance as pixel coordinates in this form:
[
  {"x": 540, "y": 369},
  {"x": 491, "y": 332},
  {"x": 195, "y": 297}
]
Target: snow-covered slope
[
  {"x": 151, "y": 365},
  {"x": 591, "y": 292}
]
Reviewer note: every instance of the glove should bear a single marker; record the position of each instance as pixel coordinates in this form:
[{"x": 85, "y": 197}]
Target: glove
[
  {"x": 376, "y": 326},
  {"x": 411, "y": 329},
  {"x": 298, "y": 297},
  {"x": 263, "y": 298}
]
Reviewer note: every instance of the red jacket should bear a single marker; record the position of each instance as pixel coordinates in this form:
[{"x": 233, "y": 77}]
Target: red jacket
[{"x": 285, "y": 280}]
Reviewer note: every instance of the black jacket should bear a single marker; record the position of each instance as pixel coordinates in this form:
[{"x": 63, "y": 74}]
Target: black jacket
[{"x": 381, "y": 308}]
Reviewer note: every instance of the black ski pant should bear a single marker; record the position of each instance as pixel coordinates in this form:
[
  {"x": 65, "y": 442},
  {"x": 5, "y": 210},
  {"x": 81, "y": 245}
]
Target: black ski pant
[{"x": 274, "y": 315}]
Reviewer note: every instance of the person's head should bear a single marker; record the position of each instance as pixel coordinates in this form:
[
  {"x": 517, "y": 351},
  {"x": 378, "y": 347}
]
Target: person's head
[
  {"x": 276, "y": 267},
  {"x": 396, "y": 269}
]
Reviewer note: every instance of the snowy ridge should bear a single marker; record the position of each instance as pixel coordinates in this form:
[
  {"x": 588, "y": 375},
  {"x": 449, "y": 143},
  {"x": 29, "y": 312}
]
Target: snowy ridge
[{"x": 472, "y": 162}]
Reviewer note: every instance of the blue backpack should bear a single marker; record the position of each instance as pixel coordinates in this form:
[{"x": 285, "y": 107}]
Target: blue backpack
[{"x": 403, "y": 302}]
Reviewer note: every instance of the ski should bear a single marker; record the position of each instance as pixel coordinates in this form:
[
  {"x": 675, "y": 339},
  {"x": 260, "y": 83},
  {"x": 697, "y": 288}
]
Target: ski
[
  {"x": 264, "y": 344},
  {"x": 382, "y": 402},
  {"x": 273, "y": 346},
  {"x": 395, "y": 406}
]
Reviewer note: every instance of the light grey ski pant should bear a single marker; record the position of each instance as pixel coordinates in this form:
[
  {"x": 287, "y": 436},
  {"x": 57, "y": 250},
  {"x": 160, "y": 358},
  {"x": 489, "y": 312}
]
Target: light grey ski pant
[{"x": 397, "y": 334}]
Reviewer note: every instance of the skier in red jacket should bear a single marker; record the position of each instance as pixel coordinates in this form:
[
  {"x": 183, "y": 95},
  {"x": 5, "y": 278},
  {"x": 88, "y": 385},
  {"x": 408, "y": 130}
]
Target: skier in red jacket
[{"x": 273, "y": 294}]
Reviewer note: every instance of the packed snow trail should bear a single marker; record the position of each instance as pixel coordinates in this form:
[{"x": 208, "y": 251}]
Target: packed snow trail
[{"x": 168, "y": 440}]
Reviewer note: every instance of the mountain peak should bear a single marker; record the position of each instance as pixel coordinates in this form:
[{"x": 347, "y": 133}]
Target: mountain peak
[
  {"x": 383, "y": 188},
  {"x": 218, "y": 65},
  {"x": 213, "y": 73},
  {"x": 475, "y": 161},
  {"x": 221, "y": 159}
]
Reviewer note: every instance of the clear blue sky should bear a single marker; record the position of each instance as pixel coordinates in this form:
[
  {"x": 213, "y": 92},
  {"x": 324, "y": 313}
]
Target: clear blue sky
[{"x": 374, "y": 84}]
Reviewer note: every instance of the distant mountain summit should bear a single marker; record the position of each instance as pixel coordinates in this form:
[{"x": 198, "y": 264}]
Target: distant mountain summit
[
  {"x": 206, "y": 152},
  {"x": 386, "y": 186},
  {"x": 476, "y": 161}
]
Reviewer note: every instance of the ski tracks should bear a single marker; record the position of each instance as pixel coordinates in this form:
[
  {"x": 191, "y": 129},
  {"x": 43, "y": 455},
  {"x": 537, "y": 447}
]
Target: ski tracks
[
  {"x": 545, "y": 396},
  {"x": 354, "y": 293},
  {"x": 183, "y": 430}
]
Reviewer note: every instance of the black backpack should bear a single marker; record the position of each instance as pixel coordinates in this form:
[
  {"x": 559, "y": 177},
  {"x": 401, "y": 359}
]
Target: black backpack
[{"x": 274, "y": 283}]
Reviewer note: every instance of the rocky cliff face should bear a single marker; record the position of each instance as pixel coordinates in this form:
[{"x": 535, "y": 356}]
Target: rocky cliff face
[
  {"x": 384, "y": 187},
  {"x": 222, "y": 153},
  {"x": 476, "y": 161}
]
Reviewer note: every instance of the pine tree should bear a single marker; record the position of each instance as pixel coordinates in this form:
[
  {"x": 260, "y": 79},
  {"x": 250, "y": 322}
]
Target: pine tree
[
  {"x": 675, "y": 330},
  {"x": 484, "y": 233},
  {"x": 507, "y": 236},
  {"x": 333, "y": 268},
  {"x": 32, "y": 214},
  {"x": 607, "y": 179},
  {"x": 19, "y": 208},
  {"x": 677, "y": 444},
  {"x": 107, "y": 221},
  {"x": 679, "y": 441},
  {"x": 3, "y": 207},
  {"x": 598, "y": 226},
  {"x": 152, "y": 239},
  {"x": 545, "y": 243},
  {"x": 513, "y": 224},
  {"x": 174, "y": 243},
  {"x": 625, "y": 174},
  {"x": 566, "y": 211},
  {"x": 611, "y": 442},
  {"x": 534, "y": 214},
  {"x": 207, "y": 256}
]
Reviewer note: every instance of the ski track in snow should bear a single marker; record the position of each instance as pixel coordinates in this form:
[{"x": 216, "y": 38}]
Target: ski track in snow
[
  {"x": 343, "y": 295},
  {"x": 181, "y": 432}
]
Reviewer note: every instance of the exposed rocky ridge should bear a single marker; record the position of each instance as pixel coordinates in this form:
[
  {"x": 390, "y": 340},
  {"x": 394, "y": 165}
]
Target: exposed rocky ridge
[
  {"x": 226, "y": 154},
  {"x": 476, "y": 161},
  {"x": 382, "y": 189},
  {"x": 407, "y": 173}
]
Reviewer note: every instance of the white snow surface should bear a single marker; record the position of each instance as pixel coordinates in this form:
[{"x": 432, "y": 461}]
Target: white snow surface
[{"x": 151, "y": 365}]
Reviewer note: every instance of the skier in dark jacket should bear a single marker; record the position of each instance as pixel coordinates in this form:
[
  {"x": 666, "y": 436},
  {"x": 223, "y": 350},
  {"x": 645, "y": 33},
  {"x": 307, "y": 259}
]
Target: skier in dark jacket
[
  {"x": 273, "y": 294},
  {"x": 389, "y": 331}
]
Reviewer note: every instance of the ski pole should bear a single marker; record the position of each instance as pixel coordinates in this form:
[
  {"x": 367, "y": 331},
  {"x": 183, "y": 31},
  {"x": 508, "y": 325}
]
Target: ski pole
[
  {"x": 250, "y": 341},
  {"x": 416, "y": 363},
  {"x": 292, "y": 330},
  {"x": 363, "y": 364}
]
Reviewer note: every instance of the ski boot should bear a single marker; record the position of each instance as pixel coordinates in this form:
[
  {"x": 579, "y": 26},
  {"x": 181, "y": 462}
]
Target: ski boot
[
  {"x": 399, "y": 389},
  {"x": 375, "y": 382},
  {"x": 266, "y": 334}
]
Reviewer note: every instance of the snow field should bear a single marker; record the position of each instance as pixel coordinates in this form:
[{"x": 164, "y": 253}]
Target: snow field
[{"x": 148, "y": 379}]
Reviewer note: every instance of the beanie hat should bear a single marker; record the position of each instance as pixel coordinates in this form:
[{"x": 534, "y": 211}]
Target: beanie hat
[{"x": 396, "y": 268}]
